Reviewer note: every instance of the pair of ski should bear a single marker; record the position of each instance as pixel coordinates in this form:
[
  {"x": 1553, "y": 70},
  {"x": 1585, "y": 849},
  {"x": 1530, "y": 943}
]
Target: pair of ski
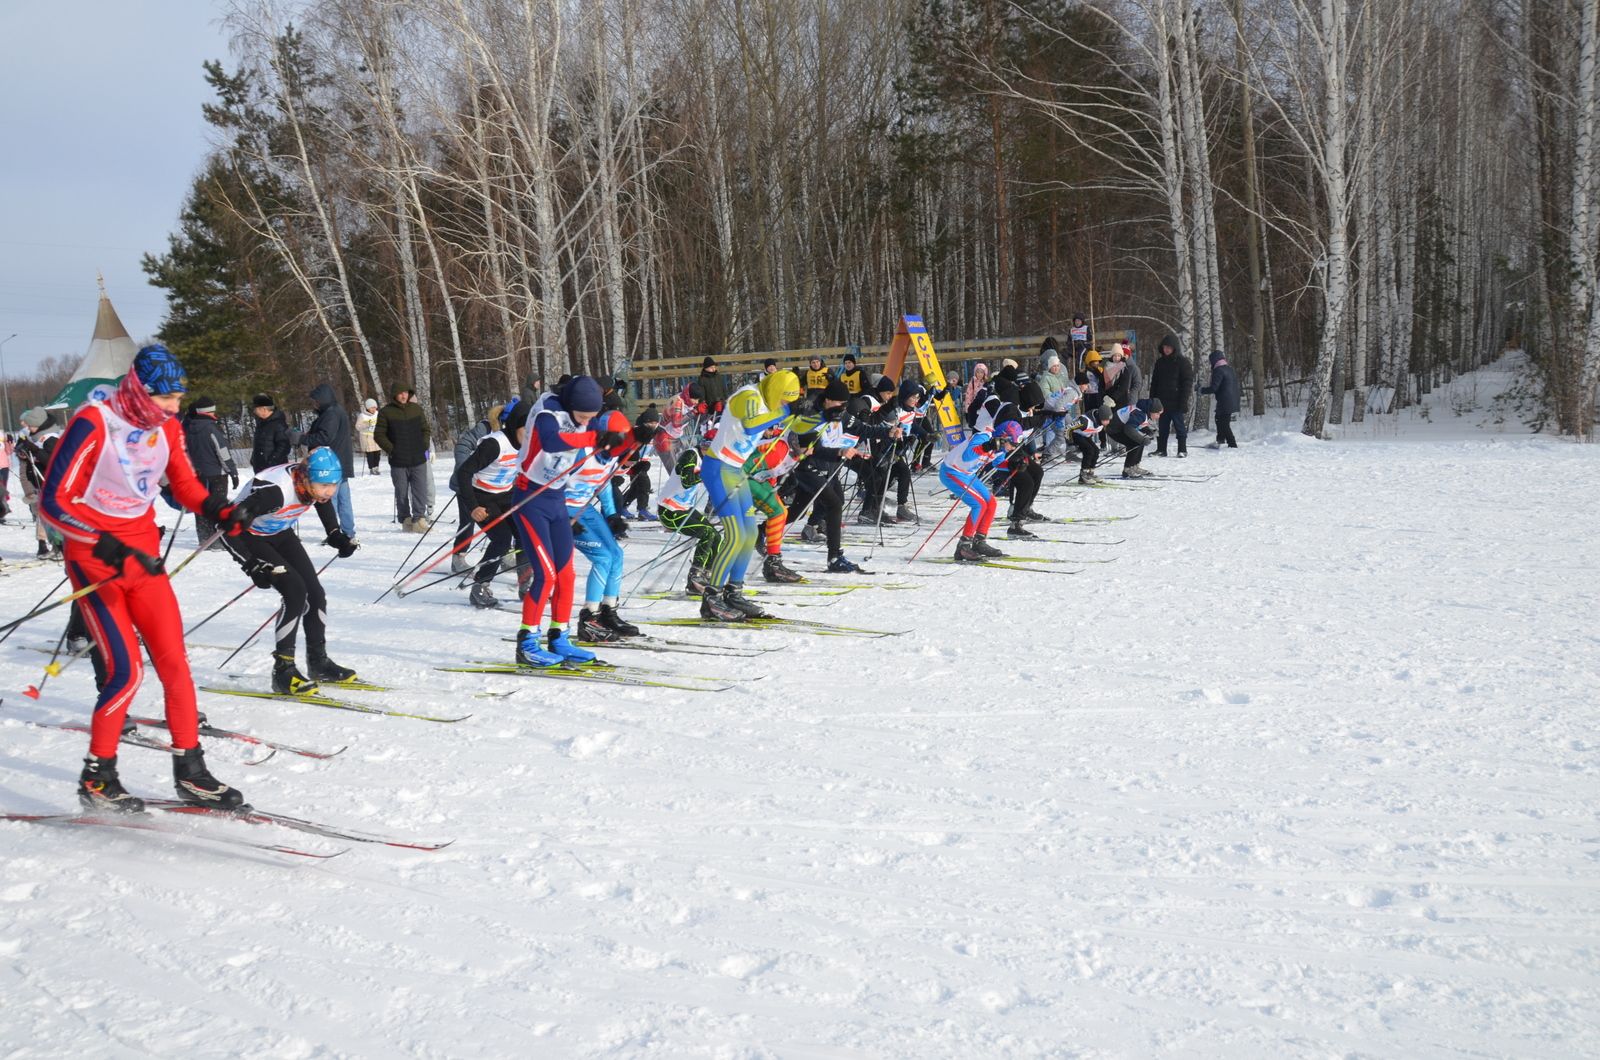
[
  {"x": 317, "y": 698},
  {"x": 141, "y": 738},
  {"x": 797, "y": 625},
  {"x": 1030, "y": 564},
  {"x": 601, "y": 672},
  {"x": 147, "y": 822}
]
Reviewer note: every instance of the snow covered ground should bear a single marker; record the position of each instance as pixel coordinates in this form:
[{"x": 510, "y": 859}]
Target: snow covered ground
[{"x": 1309, "y": 768}]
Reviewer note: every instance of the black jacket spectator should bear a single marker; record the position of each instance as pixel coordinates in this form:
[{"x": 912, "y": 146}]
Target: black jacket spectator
[
  {"x": 208, "y": 453},
  {"x": 1172, "y": 379},
  {"x": 1224, "y": 385},
  {"x": 403, "y": 432},
  {"x": 713, "y": 388},
  {"x": 331, "y": 428},
  {"x": 271, "y": 446}
]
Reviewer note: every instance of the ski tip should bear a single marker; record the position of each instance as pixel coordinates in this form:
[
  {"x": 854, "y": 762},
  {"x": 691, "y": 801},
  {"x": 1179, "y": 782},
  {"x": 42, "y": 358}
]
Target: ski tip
[{"x": 269, "y": 756}]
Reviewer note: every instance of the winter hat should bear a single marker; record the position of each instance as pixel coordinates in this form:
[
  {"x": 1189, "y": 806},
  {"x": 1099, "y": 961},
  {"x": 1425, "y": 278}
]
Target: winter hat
[
  {"x": 708, "y": 364},
  {"x": 649, "y": 417},
  {"x": 398, "y": 389},
  {"x": 885, "y": 385},
  {"x": 1052, "y": 360},
  {"x": 1155, "y": 405},
  {"x": 262, "y": 401},
  {"x": 1217, "y": 357},
  {"x": 1008, "y": 363},
  {"x": 1118, "y": 350},
  {"x": 911, "y": 389},
  {"x": 371, "y": 404},
  {"x": 203, "y": 404},
  {"x": 1032, "y": 395},
  {"x": 1092, "y": 357},
  {"x": 850, "y": 359},
  {"x": 1008, "y": 370},
  {"x": 769, "y": 363},
  {"x": 35, "y": 418},
  {"x": 159, "y": 370},
  {"x": 581, "y": 395},
  {"x": 836, "y": 391}
]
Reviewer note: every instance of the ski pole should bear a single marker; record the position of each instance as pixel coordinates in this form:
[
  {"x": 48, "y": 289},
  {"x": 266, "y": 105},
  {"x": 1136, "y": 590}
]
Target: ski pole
[
  {"x": 173, "y": 539},
  {"x": 67, "y": 599},
  {"x": 244, "y": 592},
  {"x": 251, "y": 638},
  {"x": 41, "y": 600},
  {"x": 399, "y": 586},
  {"x": 424, "y": 536}
]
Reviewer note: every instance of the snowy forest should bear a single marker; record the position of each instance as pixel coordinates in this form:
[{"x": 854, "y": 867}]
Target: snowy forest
[{"x": 1346, "y": 195}]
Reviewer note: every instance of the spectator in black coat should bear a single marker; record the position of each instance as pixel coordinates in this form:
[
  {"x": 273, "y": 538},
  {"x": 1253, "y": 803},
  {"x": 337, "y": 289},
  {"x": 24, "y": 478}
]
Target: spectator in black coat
[
  {"x": 211, "y": 458},
  {"x": 271, "y": 446},
  {"x": 1225, "y": 388},
  {"x": 403, "y": 433},
  {"x": 713, "y": 388},
  {"x": 1172, "y": 381},
  {"x": 332, "y": 429}
]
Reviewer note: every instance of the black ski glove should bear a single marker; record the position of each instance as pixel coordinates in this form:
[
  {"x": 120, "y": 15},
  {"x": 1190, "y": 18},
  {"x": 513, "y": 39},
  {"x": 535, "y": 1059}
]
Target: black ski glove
[
  {"x": 113, "y": 552},
  {"x": 609, "y": 439},
  {"x": 618, "y": 525},
  {"x": 341, "y": 541},
  {"x": 261, "y": 571},
  {"x": 233, "y": 474}
]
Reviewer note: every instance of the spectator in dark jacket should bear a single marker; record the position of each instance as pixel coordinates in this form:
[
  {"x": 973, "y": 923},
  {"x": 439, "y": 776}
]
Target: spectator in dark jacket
[
  {"x": 713, "y": 388},
  {"x": 403, "y": 433},
  {"x": 272, "y": 435},
  {"x": 1225, "y": 388},
  {"x": 1172, "y": 381},
  {"x": 331, "y": 428},
  {"x": 212, "y": 461}
]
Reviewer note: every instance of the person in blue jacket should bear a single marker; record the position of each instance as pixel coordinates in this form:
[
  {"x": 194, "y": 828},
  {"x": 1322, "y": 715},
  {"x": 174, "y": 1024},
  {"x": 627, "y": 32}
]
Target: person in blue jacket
[{"x": 1225, "y": 388}]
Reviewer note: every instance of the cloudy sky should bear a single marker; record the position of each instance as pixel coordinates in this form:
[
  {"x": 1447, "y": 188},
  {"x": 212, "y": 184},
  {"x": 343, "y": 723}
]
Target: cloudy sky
[{"x": 100, "y": 135}]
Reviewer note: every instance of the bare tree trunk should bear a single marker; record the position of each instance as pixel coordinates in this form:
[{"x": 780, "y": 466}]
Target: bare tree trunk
[{"x": 1335, "y": 179}]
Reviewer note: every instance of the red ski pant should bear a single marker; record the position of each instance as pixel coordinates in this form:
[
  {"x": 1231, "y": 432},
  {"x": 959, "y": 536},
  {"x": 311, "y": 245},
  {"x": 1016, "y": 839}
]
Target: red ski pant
[
  {"x": 119, "y": 613},
  {"x": 969, "y": 490},
  {"x": 544, "y": 533}
]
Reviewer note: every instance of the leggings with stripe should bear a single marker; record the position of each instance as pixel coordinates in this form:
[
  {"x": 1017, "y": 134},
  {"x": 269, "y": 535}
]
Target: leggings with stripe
[
  {"x": 119, "y": 613},
  {"x": 544, "y": 533},
  {"x": 304, "y": 602},
  {"x": 766, "y": 501},
  {"x": 970, "y": 491},
  {"x": 707, "y": 538},
  {"x": 599, "y": 546},
  {"x": 732, "y": 503}
]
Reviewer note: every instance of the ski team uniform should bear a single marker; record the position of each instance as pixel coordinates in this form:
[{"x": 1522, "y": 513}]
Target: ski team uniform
[
  {"x": 592, "y": 532},
  {"x": 680, "y": 511},
  {"x": 744, "y": 419},
  {"x": 104, "y": 476},
  {"x": 488, "y": 476},
  {"x": 274, "y": 539},
  {"x": 959, "y": 471},
  {"x": 553, "y": 445}
]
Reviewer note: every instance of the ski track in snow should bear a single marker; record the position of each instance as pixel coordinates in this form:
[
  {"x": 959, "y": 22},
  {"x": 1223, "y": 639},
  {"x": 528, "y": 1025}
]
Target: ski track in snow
[{"x": 1310, "y": 770}]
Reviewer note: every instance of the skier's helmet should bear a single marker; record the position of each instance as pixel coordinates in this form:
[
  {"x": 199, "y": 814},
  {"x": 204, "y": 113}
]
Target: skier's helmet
[
  {"x": 779, "y": 389},
  {"x": 1009, "y": 431},
  {"x": 323, "y": 467}
]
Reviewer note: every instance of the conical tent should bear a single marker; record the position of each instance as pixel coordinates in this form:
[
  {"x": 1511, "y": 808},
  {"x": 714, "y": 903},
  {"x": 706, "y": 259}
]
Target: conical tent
[{"x": 108, "y": 360}]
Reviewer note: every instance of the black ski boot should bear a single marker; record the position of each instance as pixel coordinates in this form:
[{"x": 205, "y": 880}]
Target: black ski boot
[
  {"x": 773, "y": 570},
  {"x": 287, "y": 680},
  {"x": 1183, "y": 448},
  {"x": 325, "y": 669},
  {"x": 1016, "y": 531},
  {"x": 592, "y": 631},
  {"x": 715, "y": 608},
  {"x": 1087, "y": 477},
  {"x": 194, "y": 782},
  {"x": 811, "y": 534},
  {"x": 839, "y": 565},
  {"x": 699, "y": 581},
  {"x": 735, "y": 598},
  {"x": 100, "y": 791},
  {"x": 965, "y": 552},
  {"x": 1031, "y": 516},
  {"x": 904, "y": 514},
  {"x": 482, "y": 596},
  {"x": 616, "y": 623},
  {"x": 980, "y": 545}
]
